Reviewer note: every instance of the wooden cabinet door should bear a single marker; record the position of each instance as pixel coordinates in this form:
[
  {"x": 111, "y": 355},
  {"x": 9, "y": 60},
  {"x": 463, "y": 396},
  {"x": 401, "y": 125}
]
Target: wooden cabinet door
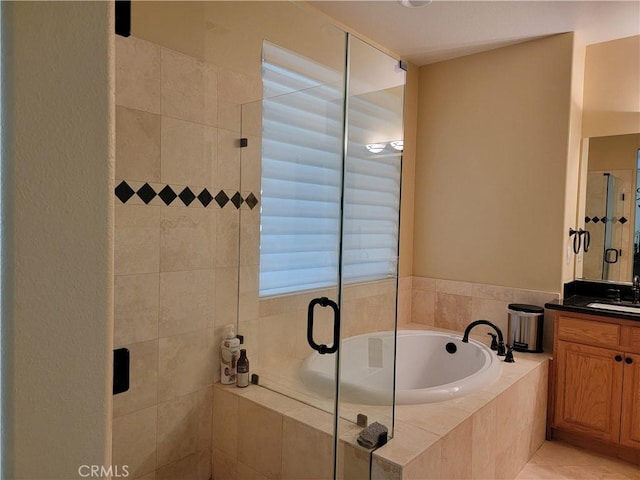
[
  {"x": 589, "y": 390},
  {"x": 630, "y": 427}
]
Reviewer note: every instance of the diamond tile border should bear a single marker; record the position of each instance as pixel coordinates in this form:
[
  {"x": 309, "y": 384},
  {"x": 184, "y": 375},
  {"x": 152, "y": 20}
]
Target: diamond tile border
[{"x": 181, "y": 195}]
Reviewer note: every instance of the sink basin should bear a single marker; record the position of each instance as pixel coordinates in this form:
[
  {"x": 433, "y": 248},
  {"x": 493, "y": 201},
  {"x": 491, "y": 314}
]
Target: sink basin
[{"x": 615, "y": 308}]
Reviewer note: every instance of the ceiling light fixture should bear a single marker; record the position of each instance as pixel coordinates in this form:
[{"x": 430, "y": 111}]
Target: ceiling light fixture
[{"x": 414, "y": 3}]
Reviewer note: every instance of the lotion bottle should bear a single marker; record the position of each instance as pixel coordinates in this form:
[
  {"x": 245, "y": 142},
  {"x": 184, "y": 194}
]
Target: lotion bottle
[
  {"x": 229, "y": 353},
  {"x": 243, "y": 369}
]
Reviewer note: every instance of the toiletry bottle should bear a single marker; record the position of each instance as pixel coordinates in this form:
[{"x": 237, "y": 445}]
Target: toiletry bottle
[
  {"x": 243, "y": 369},
  {"x": 229, "y": 353}
]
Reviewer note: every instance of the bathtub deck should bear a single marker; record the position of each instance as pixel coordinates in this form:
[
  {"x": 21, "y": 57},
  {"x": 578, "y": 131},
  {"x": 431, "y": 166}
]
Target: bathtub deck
[{"x": 490, "y": 433}]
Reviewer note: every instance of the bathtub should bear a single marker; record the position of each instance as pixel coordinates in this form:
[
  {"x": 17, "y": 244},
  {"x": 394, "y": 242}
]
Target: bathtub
[{"x": 432, "y": 367}]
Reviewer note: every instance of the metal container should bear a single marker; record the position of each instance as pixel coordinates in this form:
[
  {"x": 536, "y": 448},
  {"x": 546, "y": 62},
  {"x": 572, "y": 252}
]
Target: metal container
[{"x": 525, "y": 327}]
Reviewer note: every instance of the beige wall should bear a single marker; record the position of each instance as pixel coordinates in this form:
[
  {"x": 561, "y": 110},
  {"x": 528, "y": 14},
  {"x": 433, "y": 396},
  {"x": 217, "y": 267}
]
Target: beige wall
[
  {"x": 493, "y": 134},
  {"x": 615, "y": 152},
  {"x": 57, "y": 237},
  {"x": 408, "y": 193},
  {"x": 611, "y": 93}
]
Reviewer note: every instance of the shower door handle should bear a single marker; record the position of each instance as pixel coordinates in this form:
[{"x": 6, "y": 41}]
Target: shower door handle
[
  {"x": 324, "y": 302},
  {"x": 611, "y": 255}
]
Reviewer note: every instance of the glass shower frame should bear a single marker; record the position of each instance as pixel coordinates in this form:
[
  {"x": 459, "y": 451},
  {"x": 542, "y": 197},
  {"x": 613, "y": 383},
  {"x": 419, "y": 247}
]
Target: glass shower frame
[{"x": 362, "y": 79}]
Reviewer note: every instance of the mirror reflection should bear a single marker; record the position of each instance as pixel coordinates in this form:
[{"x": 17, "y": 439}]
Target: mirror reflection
[{"x": 611, "y": 209}]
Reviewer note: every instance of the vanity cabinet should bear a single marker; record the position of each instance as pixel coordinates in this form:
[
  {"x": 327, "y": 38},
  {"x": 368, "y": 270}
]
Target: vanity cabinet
[{"x": 597, "y": 379}]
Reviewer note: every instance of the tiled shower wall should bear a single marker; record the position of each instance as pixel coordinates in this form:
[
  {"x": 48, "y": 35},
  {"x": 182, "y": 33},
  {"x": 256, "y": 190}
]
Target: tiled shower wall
[{"x": 176, "y": 260}]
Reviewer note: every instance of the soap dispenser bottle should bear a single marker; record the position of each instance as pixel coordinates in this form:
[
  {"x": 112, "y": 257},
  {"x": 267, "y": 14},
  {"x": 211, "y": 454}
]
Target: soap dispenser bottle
[{"x": 229, "y": 353}]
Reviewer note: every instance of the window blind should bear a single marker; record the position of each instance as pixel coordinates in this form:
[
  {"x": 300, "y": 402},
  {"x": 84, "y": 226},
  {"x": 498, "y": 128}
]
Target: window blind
[{"x": 302, "y": 182}]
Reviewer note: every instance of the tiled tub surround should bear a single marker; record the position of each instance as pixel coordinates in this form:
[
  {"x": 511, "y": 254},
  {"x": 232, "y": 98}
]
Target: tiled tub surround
[
  {"x": 491, "y": 433},
  {"x": 453, "y": 304}
]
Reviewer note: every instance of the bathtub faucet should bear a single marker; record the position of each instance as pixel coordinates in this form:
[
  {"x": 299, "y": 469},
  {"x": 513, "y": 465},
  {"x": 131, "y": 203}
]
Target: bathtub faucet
[{"x": 467, "y": 331}]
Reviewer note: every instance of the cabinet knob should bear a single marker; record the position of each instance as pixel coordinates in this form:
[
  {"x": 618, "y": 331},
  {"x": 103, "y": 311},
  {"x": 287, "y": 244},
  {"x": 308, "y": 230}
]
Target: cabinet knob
[
  {"x": 618, "y": 358},
  {"x": 628, "y": 360}
]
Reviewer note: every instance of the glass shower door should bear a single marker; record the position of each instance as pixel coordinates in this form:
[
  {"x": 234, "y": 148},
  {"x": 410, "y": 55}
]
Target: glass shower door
[
  {"x": 289, "y": 308},
  {"x": 370, "y": 233},
  {"x": 325, "y": 230}
]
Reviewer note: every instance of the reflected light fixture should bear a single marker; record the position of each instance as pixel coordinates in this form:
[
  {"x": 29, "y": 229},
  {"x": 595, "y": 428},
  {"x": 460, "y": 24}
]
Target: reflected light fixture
[
  {"x": 375, "y": 147},
  {"x": 414, "y": 3},
  {"x": 397, "y": 145}
]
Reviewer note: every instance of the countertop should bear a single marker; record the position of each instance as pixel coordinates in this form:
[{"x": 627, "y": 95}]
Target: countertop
[{"x": 578, "y": 304}]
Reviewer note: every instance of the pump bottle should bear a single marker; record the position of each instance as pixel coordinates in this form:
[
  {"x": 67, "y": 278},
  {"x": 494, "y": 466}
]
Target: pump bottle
[{"x": 229, "y": 353}]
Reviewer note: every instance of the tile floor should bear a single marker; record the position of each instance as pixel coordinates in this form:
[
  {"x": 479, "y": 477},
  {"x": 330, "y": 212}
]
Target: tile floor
[{"x": 559, "y": 461}]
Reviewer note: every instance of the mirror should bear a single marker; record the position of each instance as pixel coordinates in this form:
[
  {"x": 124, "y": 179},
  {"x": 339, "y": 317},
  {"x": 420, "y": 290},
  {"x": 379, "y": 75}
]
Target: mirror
[{"x": 610, "y": 209}]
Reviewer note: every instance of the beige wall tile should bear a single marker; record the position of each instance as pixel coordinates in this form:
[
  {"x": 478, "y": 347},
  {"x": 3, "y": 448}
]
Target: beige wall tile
[
  {"x": 228, "y": 162},
  {"x": 135, "y": 308},
  {"x": 228, "y": 237},
  {"x": 454, "y": 287},
  {"x": 238, "y": 87},
  {"x": 508, "y": 463},
  {"x": 186, "y": 301},
  {"x": 188, "y": 88},
  {"x": 249, "y": 238},
  {"x": 226, "y": 299},
  {"x": 278, "y": 339},
  {"x": 225, "y": 422},
  {"x": 354, "y": 463},
  {"x": 409, "y": 439},
  {"x": 452, "y": 311},
  {"x": 229, "y": 115},
  {"x": 196, "y": 466},
  {"x": 456, "y": 451},
  {"x": 184, "y": 427},
  {"x": 187, "y": 240},
  {"x": 149, "y": 476},
  {"x": 223, "y": 466},
  {"x": 382, "y": 469},
  {"x": 188, "y": 152},
  {"x": 137, "y": 239},
  {"x": 251, "y": 157},
  {"x": 426, "y": 466},
  {"x": 248, "y": 293},
  {"x": 137, "y": 145},
  {"x": 533, "y": 297},
  {"x": 404, "y": 301},
  {"x": 423, "y": 307},
  {"x": 483, "y": 453},
  {"x": 134, "y": 441},
  {"x": 307, "y": 453},
  {"x": 493, "y": 310},
  {"x": 260, "y": 438},
  {"x": 186, "y": 363},
  {"x": 423, "y": 283},
  {"x": 492, "y": 292},
  {"x": 143, "y": 381},
  {"x": 137, "y": 74},
  {"x": 247, "y": 473}
]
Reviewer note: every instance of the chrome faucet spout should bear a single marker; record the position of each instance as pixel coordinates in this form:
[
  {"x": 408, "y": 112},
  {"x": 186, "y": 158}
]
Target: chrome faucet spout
[{"x": 467, "y": 331}]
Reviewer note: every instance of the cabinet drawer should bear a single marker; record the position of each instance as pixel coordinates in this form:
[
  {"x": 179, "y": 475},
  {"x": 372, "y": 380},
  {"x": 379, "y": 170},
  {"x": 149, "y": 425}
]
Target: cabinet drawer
[{"x": 589, "y": 332}]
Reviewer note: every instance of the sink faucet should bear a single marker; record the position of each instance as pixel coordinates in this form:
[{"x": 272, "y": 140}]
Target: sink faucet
[
  {"x": 465, "y": 337},
  {"x": 636, "y": 289}
]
